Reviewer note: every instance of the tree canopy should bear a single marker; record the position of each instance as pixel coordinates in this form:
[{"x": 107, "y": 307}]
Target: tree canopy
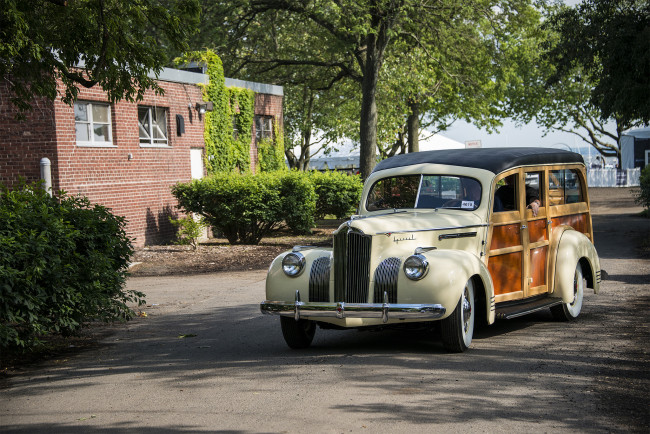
[
  {"x": 610, "y": 42},
  {"x": 457, "y": 45},
  {"x": 557, "y": 81},
  {"x": 116, "y": 44}
]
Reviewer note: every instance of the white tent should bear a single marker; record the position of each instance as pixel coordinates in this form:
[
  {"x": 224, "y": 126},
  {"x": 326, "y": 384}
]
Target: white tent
[
  {"x": 628, "y": 141},
  {"x": 437, "y": 141}
]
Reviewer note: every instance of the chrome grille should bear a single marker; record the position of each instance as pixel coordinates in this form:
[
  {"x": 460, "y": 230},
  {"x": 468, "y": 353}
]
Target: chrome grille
[
  {"x": 351, "y": 266},
  {"x": 386, "y": 280},
  {"x": 319, "y": 280}
]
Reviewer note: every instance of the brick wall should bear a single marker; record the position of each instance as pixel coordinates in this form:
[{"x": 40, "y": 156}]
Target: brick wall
[
  {"x": 133, "y": 180},
  {"x": 24, "y": 142},
  {"x": 266, "y": 105}
]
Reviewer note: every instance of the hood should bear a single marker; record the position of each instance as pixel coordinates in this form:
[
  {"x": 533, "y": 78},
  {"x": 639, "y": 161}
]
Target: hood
[{"x": 410, "y": 221}]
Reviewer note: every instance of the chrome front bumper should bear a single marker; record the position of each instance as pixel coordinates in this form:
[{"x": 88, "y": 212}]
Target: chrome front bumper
[{"x": 385, "y": 311}]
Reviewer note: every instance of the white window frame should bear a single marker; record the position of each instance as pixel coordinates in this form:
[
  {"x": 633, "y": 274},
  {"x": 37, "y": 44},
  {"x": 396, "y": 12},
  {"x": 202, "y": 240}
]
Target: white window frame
[
  {"x": 263, "y": 133},
  {"x": 150, "y": 142},
  {"x": 90, "y": 122}
]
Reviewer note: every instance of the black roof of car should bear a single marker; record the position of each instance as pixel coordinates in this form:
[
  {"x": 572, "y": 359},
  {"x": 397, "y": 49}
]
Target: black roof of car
[{"x": 495, "y": 160}]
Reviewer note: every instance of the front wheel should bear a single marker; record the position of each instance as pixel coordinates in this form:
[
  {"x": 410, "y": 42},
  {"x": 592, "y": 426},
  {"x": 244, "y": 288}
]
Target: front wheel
[
  {"x": 457, "y": 329},
  {"x": 297, "y": 334},
  {"x": 570, "y": 311}
]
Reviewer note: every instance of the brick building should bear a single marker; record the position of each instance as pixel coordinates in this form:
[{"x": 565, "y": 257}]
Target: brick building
[{"x": 123, "y": 155}]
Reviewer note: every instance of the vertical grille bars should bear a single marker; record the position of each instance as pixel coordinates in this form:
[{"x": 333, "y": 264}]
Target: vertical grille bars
[{"x": 351, "y": 266}]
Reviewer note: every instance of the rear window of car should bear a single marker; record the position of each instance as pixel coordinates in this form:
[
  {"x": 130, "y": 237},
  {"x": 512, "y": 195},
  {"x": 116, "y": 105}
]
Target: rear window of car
[{"x": 425, "y": 191}]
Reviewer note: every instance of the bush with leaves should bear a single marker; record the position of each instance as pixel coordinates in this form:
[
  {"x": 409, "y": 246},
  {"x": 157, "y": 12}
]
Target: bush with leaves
[
  {"x": 338, "y": 193},
  {"x": 188, "y": 230},
  {"x": 245, "y": 208},
  {"x": 643, "y": 193},
  {"x": 63, "y": 262}
]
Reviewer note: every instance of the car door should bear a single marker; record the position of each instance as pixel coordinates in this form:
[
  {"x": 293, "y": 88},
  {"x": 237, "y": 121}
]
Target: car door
[
  {"x": 536, "y": 234},
  {"x": 505, "y": 240}
]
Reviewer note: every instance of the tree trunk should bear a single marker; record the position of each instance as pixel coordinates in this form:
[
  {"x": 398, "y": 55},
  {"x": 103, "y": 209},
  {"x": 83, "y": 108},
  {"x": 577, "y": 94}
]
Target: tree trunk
[
  {"x": 413, "y": 127},
  {"x": 368, "y": 125}
]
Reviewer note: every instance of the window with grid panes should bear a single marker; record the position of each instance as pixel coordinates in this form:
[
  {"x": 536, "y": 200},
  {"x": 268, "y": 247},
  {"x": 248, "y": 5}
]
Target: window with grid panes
[
  {"x": 152, "y": 125},
  {"x": 92, "y": 124}
]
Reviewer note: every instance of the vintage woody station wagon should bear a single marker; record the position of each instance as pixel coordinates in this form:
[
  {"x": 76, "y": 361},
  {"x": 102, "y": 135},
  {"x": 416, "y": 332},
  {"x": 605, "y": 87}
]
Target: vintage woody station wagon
[{"x": 456, "y": 236}]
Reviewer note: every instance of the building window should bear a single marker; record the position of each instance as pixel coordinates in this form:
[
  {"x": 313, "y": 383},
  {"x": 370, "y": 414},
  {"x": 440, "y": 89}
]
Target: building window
[
  {"x": 92, "y": 124},
  {"x": 263, "y": 127},
  {"x": 152, "y": 123}
]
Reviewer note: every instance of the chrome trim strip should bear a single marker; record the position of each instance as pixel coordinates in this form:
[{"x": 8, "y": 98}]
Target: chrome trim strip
[
  {"x": 385, "y": 311},
  {"x": 484, "y": 225},
  {"x": 461, "y": 235}
]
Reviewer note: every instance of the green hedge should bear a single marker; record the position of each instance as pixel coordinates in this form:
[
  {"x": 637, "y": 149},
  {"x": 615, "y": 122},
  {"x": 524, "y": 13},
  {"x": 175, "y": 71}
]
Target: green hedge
[
  {"x": 643, "y": 193},
  {"x": 245, "y": 208},
  {"x": 338, "y": 193},
  {"x": 63, "y": 262}
]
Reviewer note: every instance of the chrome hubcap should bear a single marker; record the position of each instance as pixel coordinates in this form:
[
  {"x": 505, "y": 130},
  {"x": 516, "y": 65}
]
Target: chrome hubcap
[{"x": 467, "y": 310}]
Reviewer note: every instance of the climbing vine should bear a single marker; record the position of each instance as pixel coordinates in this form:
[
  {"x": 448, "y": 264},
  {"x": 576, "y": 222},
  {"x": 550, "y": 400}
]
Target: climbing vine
[
  {"x": 270, "y": 152},
  {"x": 242, "y": 107},
  {"x": 226, "y": 150}
]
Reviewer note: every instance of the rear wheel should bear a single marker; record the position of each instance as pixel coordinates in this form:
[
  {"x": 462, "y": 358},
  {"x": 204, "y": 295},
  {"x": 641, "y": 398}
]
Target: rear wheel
[
  {"x": 457, "y": 329},
  {"x": 297, "y": 334},
  {"x": 570, "y": 311}
]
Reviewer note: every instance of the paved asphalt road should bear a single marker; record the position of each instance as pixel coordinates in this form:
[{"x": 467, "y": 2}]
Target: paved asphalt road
[{"x": 205, "y": 360}]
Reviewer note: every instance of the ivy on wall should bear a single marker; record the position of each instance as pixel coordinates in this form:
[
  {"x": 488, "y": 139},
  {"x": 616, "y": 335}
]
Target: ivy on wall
[
  {"x": 225, "y": 149},
  {"x": 242, "y": 107},
  {"x": 270, "y": 152}
]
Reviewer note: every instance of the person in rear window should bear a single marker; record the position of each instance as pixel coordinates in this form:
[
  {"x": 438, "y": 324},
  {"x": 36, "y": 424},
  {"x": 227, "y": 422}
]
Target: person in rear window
[{"x": 505, "y": 197}]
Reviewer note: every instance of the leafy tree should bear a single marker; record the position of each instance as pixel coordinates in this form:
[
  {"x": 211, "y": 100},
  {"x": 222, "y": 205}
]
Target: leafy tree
[
  {"x": 353, "y": 39},
  {"x": 557, "y": 92},
  {"x": 610, "y": 43},
  {"x": 315, "y": 120},
  {"x": 112, "y": 43}
]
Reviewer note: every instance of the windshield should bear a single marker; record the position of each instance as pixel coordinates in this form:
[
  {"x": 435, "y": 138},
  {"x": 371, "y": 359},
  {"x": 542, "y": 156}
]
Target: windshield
[{"x": 425, "y": 191}]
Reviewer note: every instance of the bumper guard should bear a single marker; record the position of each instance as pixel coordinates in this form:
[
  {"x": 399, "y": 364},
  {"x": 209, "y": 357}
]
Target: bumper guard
[{"x": 385, "y": 311}]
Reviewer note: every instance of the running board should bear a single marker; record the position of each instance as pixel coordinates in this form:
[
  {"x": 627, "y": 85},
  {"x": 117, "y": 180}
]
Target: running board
[{"x": 520, "y": 309}]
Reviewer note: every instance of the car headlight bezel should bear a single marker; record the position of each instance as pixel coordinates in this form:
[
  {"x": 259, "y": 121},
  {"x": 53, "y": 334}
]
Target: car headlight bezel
[
  {"x": 293, "y": 264},
  {"x": 416, "y": 267}
]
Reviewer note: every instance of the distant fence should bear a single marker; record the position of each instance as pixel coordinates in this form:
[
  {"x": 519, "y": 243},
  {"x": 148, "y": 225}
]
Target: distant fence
[{"x": 613, "y": 177}]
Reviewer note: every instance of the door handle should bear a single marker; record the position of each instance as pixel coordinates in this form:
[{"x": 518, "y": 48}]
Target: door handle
[{"x": 523, "y": 227}]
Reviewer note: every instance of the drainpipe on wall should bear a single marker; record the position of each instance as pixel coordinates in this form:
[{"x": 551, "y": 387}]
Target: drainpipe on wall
[{"x": 46, "y": 174}]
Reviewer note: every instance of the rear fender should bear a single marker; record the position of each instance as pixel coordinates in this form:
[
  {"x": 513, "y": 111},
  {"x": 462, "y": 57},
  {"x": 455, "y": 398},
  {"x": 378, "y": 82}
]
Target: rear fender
[{"x": 574, "y": 247}]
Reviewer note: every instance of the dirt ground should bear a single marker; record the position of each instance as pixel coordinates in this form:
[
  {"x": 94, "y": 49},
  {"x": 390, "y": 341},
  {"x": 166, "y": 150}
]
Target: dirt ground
[{"x": 217, "y": 255}]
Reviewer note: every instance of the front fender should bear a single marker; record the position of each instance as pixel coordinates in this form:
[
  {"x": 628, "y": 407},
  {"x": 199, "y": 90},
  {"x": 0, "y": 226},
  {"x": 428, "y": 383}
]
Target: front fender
[
  {"x": 449, "y": 271},
  {"x": 573, "y": 248},
  {"x": 279, "y": 286}
]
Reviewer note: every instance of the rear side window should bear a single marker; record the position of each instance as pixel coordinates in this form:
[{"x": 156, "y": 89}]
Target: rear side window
[{"x": 564, "y": 187}]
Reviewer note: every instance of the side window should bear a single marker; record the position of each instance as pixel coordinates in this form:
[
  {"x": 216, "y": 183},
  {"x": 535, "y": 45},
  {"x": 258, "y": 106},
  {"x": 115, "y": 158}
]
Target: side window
[
  {"x": 505, "y": 197},
  {"x": 92, "y": 122},
  {"x": 152, "y": 126},
  {"x": 534, "y": 180},
  {"x": 572, "y": 187},
  {"x": 263, "y": 127},
  {"x": 564, "y": 186}
]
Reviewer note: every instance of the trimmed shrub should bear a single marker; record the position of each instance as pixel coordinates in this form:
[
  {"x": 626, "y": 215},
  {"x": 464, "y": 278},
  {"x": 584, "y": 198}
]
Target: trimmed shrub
[
  {"x": 338, "y": 193},
  {"x": 63, "y": 262},
  {"x": 643, "y": 193},
  {"x": 299, "y": 201},
  {"x": 245, "y": 208}
]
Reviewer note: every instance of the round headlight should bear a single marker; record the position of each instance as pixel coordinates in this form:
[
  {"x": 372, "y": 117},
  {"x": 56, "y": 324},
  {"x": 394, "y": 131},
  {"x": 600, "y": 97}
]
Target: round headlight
[
  {"x": 293, "y": 263},
  {"x": 415, "y": 267}
]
